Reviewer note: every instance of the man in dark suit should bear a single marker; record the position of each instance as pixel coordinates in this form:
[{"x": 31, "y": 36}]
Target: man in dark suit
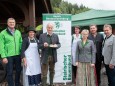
[
  {"x": 49, "y": 43},
  {"x": 97, "y": 39}
]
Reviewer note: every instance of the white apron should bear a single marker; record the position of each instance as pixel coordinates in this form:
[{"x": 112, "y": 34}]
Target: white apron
[{"x": 33, "y": 62}]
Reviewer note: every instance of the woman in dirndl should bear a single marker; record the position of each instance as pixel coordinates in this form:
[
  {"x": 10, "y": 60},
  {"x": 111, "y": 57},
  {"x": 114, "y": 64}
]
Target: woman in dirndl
[
  {"x": 31, "y": 60},
  {"x": 85, "y": 61}
]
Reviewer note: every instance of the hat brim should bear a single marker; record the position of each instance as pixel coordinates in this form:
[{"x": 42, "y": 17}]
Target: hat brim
[{"x": 32, "y": 30}]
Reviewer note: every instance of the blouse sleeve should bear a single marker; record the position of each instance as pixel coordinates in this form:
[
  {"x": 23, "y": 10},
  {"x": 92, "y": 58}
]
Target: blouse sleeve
[
  {"x": 24, "y": 47},
  {"x": 93, "y": 52},
  {"x": 77, "y": 52}
]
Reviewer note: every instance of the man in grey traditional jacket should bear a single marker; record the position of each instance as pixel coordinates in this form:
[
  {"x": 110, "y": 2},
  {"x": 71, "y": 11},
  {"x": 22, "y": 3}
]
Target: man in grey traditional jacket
[{"x": 109, "y": 54}]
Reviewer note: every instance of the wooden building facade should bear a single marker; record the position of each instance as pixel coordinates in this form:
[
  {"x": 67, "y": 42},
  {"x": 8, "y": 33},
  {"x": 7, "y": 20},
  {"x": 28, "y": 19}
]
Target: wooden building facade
[{"x": 26, "y": 12}]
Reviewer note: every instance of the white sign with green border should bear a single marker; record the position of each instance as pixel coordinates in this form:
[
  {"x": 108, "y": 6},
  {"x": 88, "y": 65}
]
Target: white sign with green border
[{"x": 62, "y": 27}]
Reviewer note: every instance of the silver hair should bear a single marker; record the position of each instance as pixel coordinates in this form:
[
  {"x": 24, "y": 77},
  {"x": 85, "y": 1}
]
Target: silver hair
[
  {"x": 107, "y": 25},
  {"x": 50, "y": 24}
]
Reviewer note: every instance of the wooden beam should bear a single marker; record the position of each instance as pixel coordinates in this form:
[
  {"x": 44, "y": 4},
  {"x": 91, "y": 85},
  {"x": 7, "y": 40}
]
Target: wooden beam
[
  {"x": 46, "y": 5},
  {"x": 5, "y": 8},
  {"x": 22, "y": 6},
  {"x": 32, "y": 13}
]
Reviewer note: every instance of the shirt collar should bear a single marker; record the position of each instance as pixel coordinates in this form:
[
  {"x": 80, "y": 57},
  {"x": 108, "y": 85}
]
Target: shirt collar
[
  {"x": 108, "y": 36},
  {"x": 79, "y": 35},
  {"x": 48, "y": 34},
  {"x": 85, "y": 43},
  {"x": 11, "y": 30}
]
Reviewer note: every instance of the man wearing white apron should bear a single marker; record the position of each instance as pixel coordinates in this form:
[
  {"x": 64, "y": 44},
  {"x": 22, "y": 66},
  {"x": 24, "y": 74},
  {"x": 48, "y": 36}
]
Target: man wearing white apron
[{"x": 30, "y": 55}]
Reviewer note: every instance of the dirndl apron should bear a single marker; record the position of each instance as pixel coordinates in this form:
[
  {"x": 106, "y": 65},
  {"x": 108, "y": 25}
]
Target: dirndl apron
[{"x": 33, "y": 63}]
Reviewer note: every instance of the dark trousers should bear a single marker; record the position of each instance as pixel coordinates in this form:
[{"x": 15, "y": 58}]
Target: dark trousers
[
  {"x": 110, "y": 75},
  {"x": 74, "y": 70},
  {"x": 51, "y": 65},
  {"x": 98, "y": 64},
  {"x": 13, "y": 61},
  {"x": 98, "y": 70}
]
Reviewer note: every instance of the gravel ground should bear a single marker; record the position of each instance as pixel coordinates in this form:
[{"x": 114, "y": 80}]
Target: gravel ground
[{"x": 103, "y": 80}]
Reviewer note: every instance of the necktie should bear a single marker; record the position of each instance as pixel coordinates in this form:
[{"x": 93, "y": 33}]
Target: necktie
[{"x": 104, "y": 41}]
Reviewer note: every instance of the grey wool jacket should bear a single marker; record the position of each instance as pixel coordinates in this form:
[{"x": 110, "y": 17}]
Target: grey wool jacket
[
  {"x": 109, "y": 50},
  {"x": 86, "y": 52}
]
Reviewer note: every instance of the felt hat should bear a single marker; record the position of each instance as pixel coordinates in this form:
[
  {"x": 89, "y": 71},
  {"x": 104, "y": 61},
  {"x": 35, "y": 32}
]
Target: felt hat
[{"x": 31, "y": 29}]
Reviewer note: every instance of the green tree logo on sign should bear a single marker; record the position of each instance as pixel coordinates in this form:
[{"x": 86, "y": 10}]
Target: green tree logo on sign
[{"x": 57, "y": 25}]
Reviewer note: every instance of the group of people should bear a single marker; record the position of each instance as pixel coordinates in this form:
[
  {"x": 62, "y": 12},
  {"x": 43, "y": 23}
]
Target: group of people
[
  {"x": 17, "y": 53},
  {"x": 89, "y": 49}
]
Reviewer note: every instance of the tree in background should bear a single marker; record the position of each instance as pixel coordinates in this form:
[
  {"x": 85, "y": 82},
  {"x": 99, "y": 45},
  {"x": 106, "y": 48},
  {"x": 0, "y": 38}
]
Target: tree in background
[{"x": 60, "y": 6}]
